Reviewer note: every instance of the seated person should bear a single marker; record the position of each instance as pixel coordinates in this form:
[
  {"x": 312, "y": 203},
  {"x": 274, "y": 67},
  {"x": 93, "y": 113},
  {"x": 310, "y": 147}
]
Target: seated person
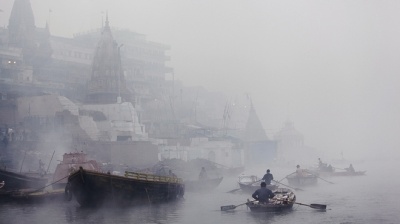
[{"x": 263, "y": 194}]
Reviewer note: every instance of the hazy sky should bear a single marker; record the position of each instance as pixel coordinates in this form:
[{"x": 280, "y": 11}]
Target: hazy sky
[{"x": 329, "y": 66}]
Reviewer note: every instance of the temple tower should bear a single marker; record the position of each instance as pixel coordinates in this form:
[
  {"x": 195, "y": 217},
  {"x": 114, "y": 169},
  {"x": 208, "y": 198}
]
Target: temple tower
[
  {"x": 21, "y": 28},
  {"x": 107, "y": 83}
]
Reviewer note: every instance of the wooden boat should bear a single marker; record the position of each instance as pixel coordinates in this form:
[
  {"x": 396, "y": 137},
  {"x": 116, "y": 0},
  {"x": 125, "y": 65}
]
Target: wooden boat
[
  {"x": 91, "y": 188},
  {"x": 284, "y": 199},
  {"x": 202, "y": 185},
  {"x": 250, "y": 183},
  {"x": 307, "y": 179},
  {"x": 70, "y": 163},
  {"x": 16, "y": 181}
]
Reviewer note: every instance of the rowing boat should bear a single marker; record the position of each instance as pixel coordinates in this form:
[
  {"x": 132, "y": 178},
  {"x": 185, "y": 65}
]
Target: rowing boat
[
  {"x": 284, "y": 199},
  {"x": 307, "y": 179},
  {"x": 250, "y": 183}
]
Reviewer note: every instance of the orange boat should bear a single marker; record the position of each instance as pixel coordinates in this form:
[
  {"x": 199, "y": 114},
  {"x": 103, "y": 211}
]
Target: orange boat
[{"x": 71, "y": 163}]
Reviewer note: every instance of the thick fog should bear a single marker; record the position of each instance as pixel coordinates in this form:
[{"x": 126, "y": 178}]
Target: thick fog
[{"x": 331, "y": 67}]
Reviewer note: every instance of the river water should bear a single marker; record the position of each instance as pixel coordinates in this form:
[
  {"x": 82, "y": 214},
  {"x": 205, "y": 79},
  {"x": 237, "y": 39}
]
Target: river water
[{"x": 373, "y": 198}]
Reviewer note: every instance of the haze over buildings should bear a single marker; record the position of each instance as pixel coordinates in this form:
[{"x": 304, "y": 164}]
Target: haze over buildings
[{"x": 330, "y": 67}]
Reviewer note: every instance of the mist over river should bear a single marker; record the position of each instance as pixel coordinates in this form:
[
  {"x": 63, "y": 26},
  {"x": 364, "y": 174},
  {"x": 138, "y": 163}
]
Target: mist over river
[{"x": 372, "y": 198}]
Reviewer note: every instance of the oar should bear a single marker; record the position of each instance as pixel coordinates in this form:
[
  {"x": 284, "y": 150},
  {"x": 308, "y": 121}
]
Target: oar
[
  {"x": 297, "y": 189},
  {"x": 231, "y": 207},
  {"x": 316, "y": 206},
  {"x": 320, "y": 178},
  {"x": 286, "y": 176},
  {"x": 234, "y": 190}
]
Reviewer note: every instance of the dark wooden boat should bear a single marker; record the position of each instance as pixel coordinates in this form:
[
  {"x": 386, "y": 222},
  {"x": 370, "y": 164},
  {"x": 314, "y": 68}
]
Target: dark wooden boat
[
  {"x": 202, "y": 185},
  {"x": 283, "y": 200},
  {"x": 17, "y": 181},
  {"x": 250, "y": 183},
  {"x": 91, "y": 188},
  {"x": 70, "y": 163},
  {"x": 307, "y": 179}
]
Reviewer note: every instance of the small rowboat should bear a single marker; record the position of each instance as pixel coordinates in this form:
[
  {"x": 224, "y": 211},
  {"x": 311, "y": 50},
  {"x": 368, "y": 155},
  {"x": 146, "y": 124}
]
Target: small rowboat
[
  {"x": 284, "y": 199},
  {"x": 250, "y": 183},
  {"x": 306, "y": 179}
]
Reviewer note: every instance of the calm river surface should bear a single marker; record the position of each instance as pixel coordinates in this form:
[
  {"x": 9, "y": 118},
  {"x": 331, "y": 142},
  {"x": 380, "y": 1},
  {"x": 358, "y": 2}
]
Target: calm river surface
[{"x": 373, "y": 198}]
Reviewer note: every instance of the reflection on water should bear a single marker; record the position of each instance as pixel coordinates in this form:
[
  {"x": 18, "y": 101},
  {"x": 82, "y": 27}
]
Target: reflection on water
[
  {"x": 364, "y": 199},
  {"x": 158, "y": 213}
]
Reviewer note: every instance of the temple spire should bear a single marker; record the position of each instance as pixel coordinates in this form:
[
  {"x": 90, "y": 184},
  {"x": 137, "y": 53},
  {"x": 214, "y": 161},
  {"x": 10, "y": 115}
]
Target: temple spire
[{"x": 107, "y": 83}]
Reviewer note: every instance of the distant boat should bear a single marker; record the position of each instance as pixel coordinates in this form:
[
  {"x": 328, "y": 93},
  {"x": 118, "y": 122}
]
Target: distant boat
[
  {"x": 17, "y": 181},
  {"x": 348, "y": 173},
  {"x": 70, "y": 163},
  {"x": 307, "y": 179},
  {"x": 250, "y": 183},
  {"x": 93, "y": 189},
  {"x": 202, "y": 185}
]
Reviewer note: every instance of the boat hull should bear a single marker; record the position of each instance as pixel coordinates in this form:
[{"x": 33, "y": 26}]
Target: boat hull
[
  {"x": 17, "y": 181},
  {"x": 92, "y": 188},
  {"x": 283, "y": 200},
  {"x": 346, "y": 173},
  {"x": 299, "y": 181}
]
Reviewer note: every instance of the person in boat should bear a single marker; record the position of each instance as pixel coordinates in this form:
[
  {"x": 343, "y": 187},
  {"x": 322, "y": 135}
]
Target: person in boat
[
  {"x": 324, "y": 166},
  {"x": 320, "y": 163},
  {"x": 268, "y": 177},
  {"x": 263, "y": 194},
  {"x": 161, "y": 171},
  {"x": 299, "y": 171},
  {"x": 41, "y": 167},
  {"x": 350, "y": 169},
  {"x": 171, "y": 174},
  {"x": 203, "y": 174}
]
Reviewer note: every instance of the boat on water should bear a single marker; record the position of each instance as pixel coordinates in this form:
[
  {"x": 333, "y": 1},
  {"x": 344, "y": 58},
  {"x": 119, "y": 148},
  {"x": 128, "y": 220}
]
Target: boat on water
[
  {"x": 306, "y": 179},
  {"x": 202, "y": 185},
  {"x": 348, "y": 173},
  {"x": 14, "y": 181},
  {"x": 283, "y": 200},
  {"x": 91, "y": 188},
  {"x": 250, "y": 183},
  {"x": 70, "y": 163}
]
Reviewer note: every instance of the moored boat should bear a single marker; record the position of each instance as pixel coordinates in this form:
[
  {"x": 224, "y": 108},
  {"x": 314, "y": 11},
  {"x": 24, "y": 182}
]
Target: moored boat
[
  {"x": 306, "y": 179},
  {"x": 250, "y": 183},
  {"x": 91, "y": 188},
  {"x": 17, "y": 181},
  {"x": 202, "y": 185},
  {"x": 284, "y": 199}
]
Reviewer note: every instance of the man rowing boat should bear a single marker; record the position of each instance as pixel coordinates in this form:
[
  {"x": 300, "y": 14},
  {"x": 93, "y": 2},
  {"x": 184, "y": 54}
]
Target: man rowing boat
[{"x": 263, "y": 194}]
